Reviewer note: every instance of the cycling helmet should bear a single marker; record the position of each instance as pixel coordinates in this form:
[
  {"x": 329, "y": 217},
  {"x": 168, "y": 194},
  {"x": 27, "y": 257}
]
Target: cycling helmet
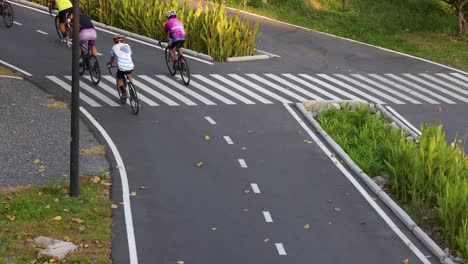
[
  {"x": 171, "y": 13},
  {"x": 118, "y": 38}
]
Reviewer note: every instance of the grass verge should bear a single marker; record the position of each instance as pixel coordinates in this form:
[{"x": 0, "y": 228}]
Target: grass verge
[
  {"x": 423, "y": 28},
  {"x": 28, "y": 212},
  {"x": 8, "y": 72},
  {"x": 428, "y": 177}
]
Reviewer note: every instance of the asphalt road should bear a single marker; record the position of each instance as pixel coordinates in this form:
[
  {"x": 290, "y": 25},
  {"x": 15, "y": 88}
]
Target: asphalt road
[{"x": 289, "y": 203}]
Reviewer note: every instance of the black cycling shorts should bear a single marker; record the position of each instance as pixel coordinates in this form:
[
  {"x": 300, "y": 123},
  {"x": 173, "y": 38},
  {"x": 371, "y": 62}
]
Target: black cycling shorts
[
  {"x": 121, "y": 74},
  {"x": 63, "y": 14},
  {"x": 177, "y": 44}
]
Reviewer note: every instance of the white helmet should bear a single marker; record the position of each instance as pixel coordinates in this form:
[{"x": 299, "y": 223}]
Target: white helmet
[{"x": 171, "y": 13}]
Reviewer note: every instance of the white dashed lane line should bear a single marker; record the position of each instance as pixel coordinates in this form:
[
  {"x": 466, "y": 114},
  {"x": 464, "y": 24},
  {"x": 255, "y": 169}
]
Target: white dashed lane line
[
  {"x": 280, "y": 248},
  {"x": 267, "y": 216},
  {"x": 42, "y": 32},
  {"x": 17, "y": 23},
  {"x": 228, "y": 140},
  {"x": 255, "y": 188},
  {"x": 242, "y": 163},
  {"x": 209, "y": 119}
]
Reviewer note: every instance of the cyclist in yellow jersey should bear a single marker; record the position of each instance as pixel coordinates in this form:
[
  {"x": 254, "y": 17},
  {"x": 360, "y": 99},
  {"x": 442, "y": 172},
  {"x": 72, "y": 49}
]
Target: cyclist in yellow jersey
[{"x": 64, "y": 7}]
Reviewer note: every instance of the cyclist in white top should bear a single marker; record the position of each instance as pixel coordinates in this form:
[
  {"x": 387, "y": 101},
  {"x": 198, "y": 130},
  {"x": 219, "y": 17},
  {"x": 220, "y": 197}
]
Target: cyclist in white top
[{"x": 123, "y": 52}]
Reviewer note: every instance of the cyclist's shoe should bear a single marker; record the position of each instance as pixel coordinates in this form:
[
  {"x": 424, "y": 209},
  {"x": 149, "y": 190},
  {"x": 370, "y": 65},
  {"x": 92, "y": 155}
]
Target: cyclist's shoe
[{"x": 123, "y": 92}]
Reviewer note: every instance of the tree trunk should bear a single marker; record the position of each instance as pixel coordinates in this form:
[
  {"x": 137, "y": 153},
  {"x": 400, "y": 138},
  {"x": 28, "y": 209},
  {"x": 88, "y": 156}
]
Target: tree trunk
[{"x": 461, "y": 18}]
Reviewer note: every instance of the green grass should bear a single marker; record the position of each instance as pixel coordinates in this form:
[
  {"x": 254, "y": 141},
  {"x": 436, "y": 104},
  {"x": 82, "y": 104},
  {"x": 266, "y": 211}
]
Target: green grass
[
  {"x": 424, "y": 28},
  {"x": 32, "y": 218},
  {"x": 428, "y": 177},
  {"x": 8, "y": 72}
]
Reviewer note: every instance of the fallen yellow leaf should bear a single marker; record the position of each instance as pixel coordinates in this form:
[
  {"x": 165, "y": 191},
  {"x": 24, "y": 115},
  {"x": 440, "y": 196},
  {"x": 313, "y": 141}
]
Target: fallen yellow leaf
[
  {"x": 133, "y": 193},
  {"x": 306, "y": 226},
  {"x": 180, "y": 262},
  {"x": 11, "y": 217},
  {"x": 66, "y": 238},
  {"x": 199, "y": 164},
  {"x": 51, "y": 260},
  {"x": 47, "y": 206},
  {"x": 39, "y": 193},
  {"x": 58, "y": 218},
  {"x": 207, "y": 137},
  {"x": 406, "y": 261},
  {"x": 36, "y": 161},
  {"x": 95, "y": 179},
  {"x": 66, "y": 210},
  {"x": 113, "y": 206}
]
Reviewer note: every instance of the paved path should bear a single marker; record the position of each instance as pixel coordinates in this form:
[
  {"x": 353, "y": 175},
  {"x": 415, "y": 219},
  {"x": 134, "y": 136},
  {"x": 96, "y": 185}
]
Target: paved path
[{"x": 260, "y": 185}]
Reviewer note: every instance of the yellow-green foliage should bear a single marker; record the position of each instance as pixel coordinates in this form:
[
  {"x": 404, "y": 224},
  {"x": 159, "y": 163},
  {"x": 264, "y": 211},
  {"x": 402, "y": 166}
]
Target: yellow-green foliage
[{"x": 209, "y": 29}]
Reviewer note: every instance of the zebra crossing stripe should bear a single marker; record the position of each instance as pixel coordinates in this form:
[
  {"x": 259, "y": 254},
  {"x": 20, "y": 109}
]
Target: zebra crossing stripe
[
  {"x": 237, "y": 87},
  {"x": 331, "y": 87},
  {"x": 387, "y": 89},
  {"x": 168, "y": 90},
  {"x": 208, "y": 91},
  {"x": 455, "y": 80},
  {"x": 67, "y": 87},
  {"x": 401, "y": 87},
  {"x": 460, "y": 90},
  {"x": 106, "y": 88},
  {"x": 277, "y": 87},
  {"x": 311, "y": 86},
  {"x": 258, "y": 88},
  {"x": 349, "y": 87},
  {"x": 419, "y": 87},
  {"x": 459, "y": 97},
  {"x": 96, "y": 93},
  {"x": 221, "y": 88},
  {"x": 460, "y": 76},
  {"x": 184, "y": 89},
  {"x": 143, "y": 87},
  {"x": 370, "y": 89},
  {"x": 293, "y": 86}
]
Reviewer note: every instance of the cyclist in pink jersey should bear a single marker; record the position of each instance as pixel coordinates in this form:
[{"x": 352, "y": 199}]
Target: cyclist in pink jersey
[{"x": 175, "y": 28}]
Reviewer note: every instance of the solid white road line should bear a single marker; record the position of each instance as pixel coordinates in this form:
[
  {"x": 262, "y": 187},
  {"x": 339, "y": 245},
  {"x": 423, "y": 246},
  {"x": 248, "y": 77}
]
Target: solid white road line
[
  {"x": 100, "y": 54},
  {"x": 402, "y": 119},
  {"x": 16, "y": 68},
  {"x": 168, "y": 90},
  {"x": 210, "y": 92},
  {"x": 255, "y": 188},
  {"x": 349, "y": 87},
  {"x": 17, "y": 23},
  {"x": 242, "y": 163},
  {"x": 280, "y": 248},
  {"x": 186, "y": 90},
  {"x": 96, "y": 93},
  {"x": 258, "y": 88},
  {"x": 239, "y": 88},
  {"x": 277, "y": 87},
  {"x": 387, "y": 89},
  {"x": 67, "y": 87},
  {"x": 370, "y": 89},
  {"x": 311, "y": 86},
  {"x": 460, "y": 90},
  {"x": 455, "y": 80},
  {"x": 358, "y": 186},
  {"x": 331, "y": 87},
  {"x": 228, "y": 140},
  {"x": 113, "y": 91},
  {"x": 267, "y": 216},
  {"x": 32, "y": 8},
  {"x": 401, "y": 87},
  {"x": 436, "y": 87},
  {"x": 222, "y": 88},
  {"x": 463, "y": 77},
  {"x": 125, "y": 189},
  {"x": 210, "y": 120},
  {"x": 448, "y": 101},
  {"x": 42, "y": 32},
  {"x": 293, "y": 86}
]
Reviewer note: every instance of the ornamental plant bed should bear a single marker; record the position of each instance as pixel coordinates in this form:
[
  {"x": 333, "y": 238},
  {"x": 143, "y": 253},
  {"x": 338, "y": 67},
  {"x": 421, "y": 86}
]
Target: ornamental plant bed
[
  {"x": 427, "y": 176},
  {"x": 209, "y": 29}
]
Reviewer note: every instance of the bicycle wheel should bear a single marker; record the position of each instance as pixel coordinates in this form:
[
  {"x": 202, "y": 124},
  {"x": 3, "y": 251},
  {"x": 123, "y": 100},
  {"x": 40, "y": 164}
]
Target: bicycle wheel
[
  {"x": 57, "y": 27},
  {"x": 7, "y": 14},
  {"x": 169, "y": 62},
  {"x": 134, "y": 103},
  {"x": 184, "y": 70},
  {"x": 94, "y": 70},
  {"x": 83, "y": 61}
]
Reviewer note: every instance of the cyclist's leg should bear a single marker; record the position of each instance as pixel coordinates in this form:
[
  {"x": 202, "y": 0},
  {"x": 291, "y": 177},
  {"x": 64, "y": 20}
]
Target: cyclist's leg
[
  {"x": 171, "y": 49},
  {"x": 179, "y": 46},
  {"x": 92, "y": 42},
  {"x": 119, "y": 79}
]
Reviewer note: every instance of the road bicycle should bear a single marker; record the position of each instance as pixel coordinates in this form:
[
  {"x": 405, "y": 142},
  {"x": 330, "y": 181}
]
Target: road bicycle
[
  {"x": 181, "y": 65},
  {"x": 6, "y": 11},
  {"x": 68, "y": 24},
  {"x": 133, "y": 96},
  {"x": 90, "y": 63}
]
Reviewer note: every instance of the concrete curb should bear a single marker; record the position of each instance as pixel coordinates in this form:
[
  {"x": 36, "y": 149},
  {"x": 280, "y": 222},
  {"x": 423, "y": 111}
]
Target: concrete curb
[
  {"x": 248, "y": 58},
  {"x": 389, "y": 115},
  {"x": 399, "y": 212}
]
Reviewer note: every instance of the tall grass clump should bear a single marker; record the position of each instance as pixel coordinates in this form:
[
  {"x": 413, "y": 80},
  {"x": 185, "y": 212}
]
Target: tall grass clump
[
  {"x": 209, "y": 29},
  {"x": 427, "y": 175}
]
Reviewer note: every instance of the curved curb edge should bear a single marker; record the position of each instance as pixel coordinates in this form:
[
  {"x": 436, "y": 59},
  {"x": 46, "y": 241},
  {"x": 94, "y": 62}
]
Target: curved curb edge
[{"x": 396, "y": 209}]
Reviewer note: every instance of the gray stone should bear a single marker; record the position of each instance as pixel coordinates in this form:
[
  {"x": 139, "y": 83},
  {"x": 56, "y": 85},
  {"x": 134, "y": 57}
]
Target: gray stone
[
  {"x": 381, "y": 181},
  {"x": 410, "y": 138},
  {"x": 394, "y": 125},
  {"x": 53, "y": 248},
  {"x": 460, "y": 260}
]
